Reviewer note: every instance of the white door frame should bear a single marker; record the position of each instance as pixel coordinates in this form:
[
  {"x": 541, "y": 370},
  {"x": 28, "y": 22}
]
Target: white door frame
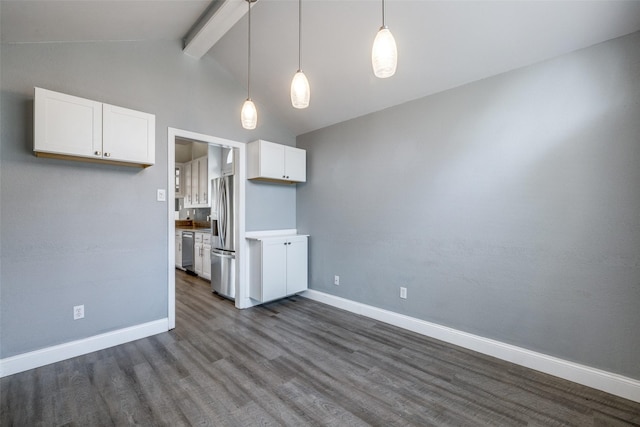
[{"x": 242, "y": 287}]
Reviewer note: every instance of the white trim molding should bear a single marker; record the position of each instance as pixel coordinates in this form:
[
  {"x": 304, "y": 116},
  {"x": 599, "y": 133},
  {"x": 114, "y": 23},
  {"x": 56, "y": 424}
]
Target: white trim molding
[
  {"x": 34, "y": 359},
  {"x": 615, "y": 384}
]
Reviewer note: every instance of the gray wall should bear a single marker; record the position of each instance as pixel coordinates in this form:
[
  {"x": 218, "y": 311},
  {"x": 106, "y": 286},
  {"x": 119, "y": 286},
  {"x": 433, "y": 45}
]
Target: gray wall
[
  {"x": 509, "y": 207},
  {"x": 78, "y": 233}
]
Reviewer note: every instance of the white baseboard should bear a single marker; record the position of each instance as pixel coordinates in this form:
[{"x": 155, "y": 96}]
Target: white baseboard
[
  {"x": 34, "y": 359},
  {"x": 595, "y": 378}
]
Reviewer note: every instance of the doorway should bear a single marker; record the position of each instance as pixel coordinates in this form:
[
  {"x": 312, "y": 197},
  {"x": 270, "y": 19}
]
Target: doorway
[{"x": 241, "y": 291}]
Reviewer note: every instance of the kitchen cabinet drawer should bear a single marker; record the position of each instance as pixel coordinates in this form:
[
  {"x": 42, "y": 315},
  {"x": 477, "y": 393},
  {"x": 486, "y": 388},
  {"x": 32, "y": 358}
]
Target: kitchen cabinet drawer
[
  {"x": 268, "y": 161},
  {"x": 70, "y": 127}
]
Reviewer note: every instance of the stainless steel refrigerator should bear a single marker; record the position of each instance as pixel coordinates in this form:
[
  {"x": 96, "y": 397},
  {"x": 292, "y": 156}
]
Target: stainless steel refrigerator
[{"x": 223, "y": 255}]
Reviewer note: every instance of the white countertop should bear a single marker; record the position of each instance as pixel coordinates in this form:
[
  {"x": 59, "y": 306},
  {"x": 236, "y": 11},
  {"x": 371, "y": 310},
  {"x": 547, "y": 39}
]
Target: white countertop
[{"x": 272, "y": 234}]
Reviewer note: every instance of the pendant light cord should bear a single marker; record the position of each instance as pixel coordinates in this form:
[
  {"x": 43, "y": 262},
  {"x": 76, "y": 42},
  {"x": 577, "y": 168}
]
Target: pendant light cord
[
  {"x": 299, "y": 35},
  {"x": 383, "y": 22},
  {"x": 249, "y": 55}
]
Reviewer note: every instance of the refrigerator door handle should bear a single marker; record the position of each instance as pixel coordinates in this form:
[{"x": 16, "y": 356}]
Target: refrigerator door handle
[{"x": 222, "y": 214}]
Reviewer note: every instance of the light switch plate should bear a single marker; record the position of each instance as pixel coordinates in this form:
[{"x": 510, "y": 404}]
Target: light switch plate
[{"x": 162, "y": 196}]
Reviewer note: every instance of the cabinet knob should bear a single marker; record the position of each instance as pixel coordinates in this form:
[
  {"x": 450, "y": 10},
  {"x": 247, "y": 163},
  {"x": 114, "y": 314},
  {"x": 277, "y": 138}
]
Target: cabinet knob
[
  {"x": 98, "y": 153},
  {"x": 107, "y": 154}
]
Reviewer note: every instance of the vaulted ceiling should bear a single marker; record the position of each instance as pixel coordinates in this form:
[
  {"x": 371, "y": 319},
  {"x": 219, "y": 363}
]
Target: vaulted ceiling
[{"x": 441, "y": 44}]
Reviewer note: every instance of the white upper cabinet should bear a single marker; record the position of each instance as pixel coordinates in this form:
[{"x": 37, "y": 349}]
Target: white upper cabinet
[
  {"x": 75, "y": 128},
  {"x": 197, "y": 183},
  {"x": 203, "y": 181},
  {"x": 66, "y": 124},
  {"x": 268, "y": 161},
  {"x": 128, "y": 135}
]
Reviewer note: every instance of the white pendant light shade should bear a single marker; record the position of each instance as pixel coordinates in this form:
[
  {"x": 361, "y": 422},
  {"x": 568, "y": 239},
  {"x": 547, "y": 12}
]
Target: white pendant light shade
[
  {"x": 249, "y": 115},
  {"x": 384, "y": 55},
  {"x": 300, "y": 90}
]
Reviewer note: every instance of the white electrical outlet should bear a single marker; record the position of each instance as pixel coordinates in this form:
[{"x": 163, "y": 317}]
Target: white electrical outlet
[
  {"x": 336, "y": 280},
  {"x": 78, "y": 312},
  {"x": 403, "y": 292}
]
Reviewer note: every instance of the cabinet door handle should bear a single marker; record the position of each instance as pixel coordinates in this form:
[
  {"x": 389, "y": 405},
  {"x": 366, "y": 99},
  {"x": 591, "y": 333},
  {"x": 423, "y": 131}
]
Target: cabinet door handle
[
  {"x": 98, "y": 153},
  {"x": 107, "y": 154}
]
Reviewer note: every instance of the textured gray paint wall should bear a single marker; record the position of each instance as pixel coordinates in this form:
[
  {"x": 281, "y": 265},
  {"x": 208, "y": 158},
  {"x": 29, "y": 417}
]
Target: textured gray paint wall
[
  {"x": 78, "y": 233},
  {"x": 509, "y": 207}
]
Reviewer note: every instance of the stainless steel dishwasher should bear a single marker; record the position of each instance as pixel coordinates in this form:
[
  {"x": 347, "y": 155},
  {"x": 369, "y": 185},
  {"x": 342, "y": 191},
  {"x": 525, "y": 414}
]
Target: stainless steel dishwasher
[
  {"x": 187, "y": 251},
  {"x": 223, "y": 273}
]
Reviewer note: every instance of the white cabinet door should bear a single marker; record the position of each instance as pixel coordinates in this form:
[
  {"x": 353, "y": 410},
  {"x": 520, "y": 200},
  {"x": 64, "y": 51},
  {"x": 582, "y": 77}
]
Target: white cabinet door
[
  {"x": 295, "y": 161},
  {"x": 128, "y": 135},
  {"x": 274, "y": 269},
  {"x": 271, "y": 160},
  {"x": 195, "y": 182},
  {"x": 206, "y": 261},
  {"x": 188, "y": 202},
  {"x": 179, "y": 249},
  {"x": 203, "y": 182},
  {"x": 297, "y": 265},
  {"x": 67, "y": 125},
  {"x": 197, "y": 255}
]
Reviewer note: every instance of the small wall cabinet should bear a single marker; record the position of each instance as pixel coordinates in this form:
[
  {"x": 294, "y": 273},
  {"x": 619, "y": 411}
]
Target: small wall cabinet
[
  {"x": 278, "y": 267},
  {"x": 74, "y": 128},
  {"x": 196, "y": 180},
  {"x": 268, "y": 161}
]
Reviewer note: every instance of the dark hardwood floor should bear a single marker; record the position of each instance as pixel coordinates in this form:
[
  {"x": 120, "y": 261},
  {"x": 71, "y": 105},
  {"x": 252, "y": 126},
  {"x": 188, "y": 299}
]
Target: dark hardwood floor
[{"x": 294, "y": 362}]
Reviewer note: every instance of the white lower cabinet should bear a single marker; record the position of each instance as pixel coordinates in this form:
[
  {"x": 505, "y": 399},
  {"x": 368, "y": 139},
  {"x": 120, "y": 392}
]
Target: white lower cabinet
[
  {"x": 202, "y": 255},
  {"x": 197, "y": 253},
  {"x": 278, "y": 267},
  {"x": 206, "y": 256},
  {"x": 179, "y": 249}
]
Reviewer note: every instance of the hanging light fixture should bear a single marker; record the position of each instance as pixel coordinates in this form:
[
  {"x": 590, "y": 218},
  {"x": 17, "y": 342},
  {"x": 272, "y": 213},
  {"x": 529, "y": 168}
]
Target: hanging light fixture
[
  {"x": 384, "y": 55},
  {"x": 249, "y": 114},
  {"x": 300, "y": 90}
]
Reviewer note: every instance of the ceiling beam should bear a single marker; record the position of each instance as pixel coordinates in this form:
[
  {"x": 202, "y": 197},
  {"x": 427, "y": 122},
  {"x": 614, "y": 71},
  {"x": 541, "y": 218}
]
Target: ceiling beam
[{"x": 219, "y": 18}]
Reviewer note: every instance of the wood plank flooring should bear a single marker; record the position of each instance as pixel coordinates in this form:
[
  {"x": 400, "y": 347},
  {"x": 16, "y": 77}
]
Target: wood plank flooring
[{"x": 297, "y": 363}]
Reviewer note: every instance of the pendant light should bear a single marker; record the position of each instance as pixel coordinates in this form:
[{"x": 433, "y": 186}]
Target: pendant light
[
  {"x": 384, "y": 55},
  {"x": 249, "y": 114},
  {"x": 300, "y": 90}
]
